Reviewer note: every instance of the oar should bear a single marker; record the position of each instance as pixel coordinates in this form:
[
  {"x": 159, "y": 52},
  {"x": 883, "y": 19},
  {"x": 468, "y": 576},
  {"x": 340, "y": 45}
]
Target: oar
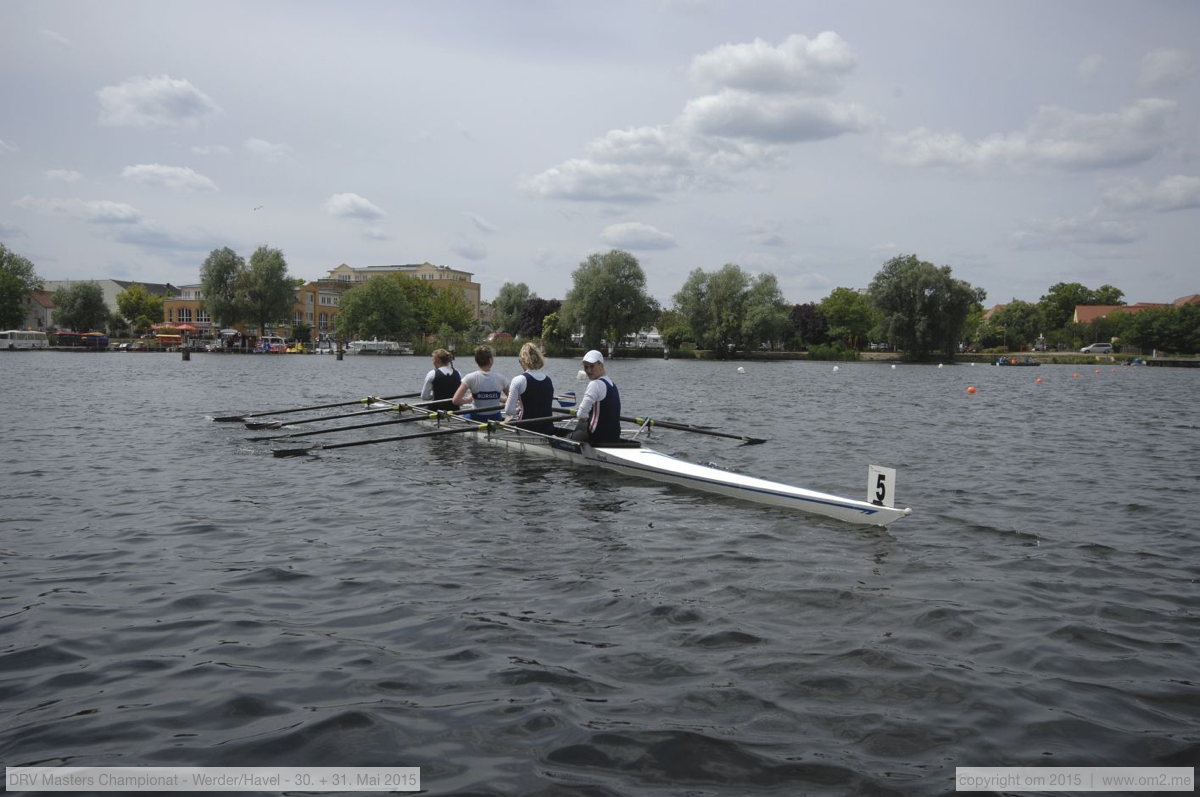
[
  {"x": 429, "y": 416},
  {"x": 261, "y": 425},
  {"x": 683, "y": 427},
  {"x": 367, "y": 400},
  {"x": 473, "y": 427}
]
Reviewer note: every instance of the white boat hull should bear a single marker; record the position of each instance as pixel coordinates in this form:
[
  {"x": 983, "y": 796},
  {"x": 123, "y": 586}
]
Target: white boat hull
[{"x": 647, "y": 463}]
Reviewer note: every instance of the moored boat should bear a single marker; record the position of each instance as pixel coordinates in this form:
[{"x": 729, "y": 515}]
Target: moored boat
[{"x": 379, "y": 347}]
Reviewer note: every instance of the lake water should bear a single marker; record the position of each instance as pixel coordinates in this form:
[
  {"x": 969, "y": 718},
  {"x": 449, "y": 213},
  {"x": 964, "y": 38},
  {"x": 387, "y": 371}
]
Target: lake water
[{"x": 174, "y": 595}]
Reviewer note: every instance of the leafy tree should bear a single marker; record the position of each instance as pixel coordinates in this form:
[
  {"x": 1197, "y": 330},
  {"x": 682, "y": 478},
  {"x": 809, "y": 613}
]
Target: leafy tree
[
  {"x": 269, "y": 290},
  {"x": 1014, "y": 325},
  {"x": 135, "y": 302},
  {"x": 809, "y": 326},
  {"x": 1059, "y": 303},
  {"x": 533, "y": 316},
  {"x": 924, "y": 308},
  {"x": 767, "y": 317},
  {"x": 18, "y": 281},
  {"x": 608, "y": 299},
  {"x": 850, "y": 316},
  {"x": 449, "y": 310},
  {"x": 554, "y": 334},
  {"x": 80, "y": 307},
  {"x": 378, "y": 308},
  {"x": 509, "y": 303},
  {"x": 673, "y": 328},
  {"x": 222, "y": 281},
  {"x": 713, "y": 307},
  {"x": 302, "y": 333}
]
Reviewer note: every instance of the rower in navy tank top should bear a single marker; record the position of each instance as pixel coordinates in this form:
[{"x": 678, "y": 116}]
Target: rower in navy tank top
[
  {"x": 599, "y": 410},
  {"x": 532, "y": 390},
  {"x": 441, "y": 382}
]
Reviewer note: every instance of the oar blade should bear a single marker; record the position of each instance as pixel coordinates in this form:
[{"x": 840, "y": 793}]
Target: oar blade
[
  {"x": 294, "y": 452},
  {"x": 260, "y": 425}
]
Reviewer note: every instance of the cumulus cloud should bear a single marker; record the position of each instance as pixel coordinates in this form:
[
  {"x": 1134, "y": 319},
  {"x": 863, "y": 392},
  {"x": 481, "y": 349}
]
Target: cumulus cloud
[
  {"x": 1166, "y": 69},
  {"x": 63, "y": 175},
  {"x": 352, "y": 206},
  {"x": 761, "y": 99},
  {"x": 798, "y": 64},
  {"x": 1177, "y": 192},
  {"x": 739, "y": 114},
  {"x": 96, "y": 211},
  {"x": 154, "y": 102},
  {"x": 1055, "y": 137},
  {"x": 635, "y": 235},
  {"x": 176, "y": 178}
]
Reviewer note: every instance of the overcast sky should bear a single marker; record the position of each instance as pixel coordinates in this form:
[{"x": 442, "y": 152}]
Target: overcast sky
[{"x": 1020, "y": 143}]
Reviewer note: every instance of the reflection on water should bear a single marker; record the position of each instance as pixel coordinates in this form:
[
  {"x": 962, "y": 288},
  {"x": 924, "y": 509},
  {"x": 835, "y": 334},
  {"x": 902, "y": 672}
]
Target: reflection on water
[{"x": 176, "y": 595}]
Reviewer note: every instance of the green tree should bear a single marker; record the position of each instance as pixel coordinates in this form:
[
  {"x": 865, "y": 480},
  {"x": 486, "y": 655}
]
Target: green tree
[
  {"x": 18, "y": 281},
  {"x": 925, "y": 309},
  {"x": 223, "y": 283},
  {"x": 509, "y": 303},
  {"x": 809, "y": 326},
  {"x": 1107, "y": 294},
  {"x": 767, "y": 317},
  {"x": 378, "y": 308},
  {"x": 135, "y": 302},
  {"x": 608, "y": 299},
  {"x": 1014, "y": 325},
  {"x": 450, "y": 310},
  {"x": 268, "y": 289},
  {"x": 1059, "y": 303},
  {"x": 713, "y": 307},
  {"x": 554, "y": 334},
  {"x": 81, "y": 307},
  {"x": 850, "y": 316}
]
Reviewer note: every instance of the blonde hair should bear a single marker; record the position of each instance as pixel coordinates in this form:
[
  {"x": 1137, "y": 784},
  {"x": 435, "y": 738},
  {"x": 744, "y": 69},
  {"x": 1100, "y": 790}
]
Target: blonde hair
[
  {"x": 531, "y": 358},
  {"x": 442, "y": 357}
]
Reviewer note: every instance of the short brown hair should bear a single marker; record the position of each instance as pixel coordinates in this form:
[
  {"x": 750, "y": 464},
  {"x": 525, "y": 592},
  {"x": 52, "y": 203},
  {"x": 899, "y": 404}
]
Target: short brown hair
[{"x": 483, "y": 356}]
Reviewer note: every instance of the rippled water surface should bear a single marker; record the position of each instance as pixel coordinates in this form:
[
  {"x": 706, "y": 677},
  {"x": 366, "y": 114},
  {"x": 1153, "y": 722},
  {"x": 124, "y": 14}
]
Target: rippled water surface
[{"x": 173, "y": 594}]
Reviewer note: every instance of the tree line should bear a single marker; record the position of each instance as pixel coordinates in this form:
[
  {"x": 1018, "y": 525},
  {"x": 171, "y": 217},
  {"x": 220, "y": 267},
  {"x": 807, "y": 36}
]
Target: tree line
[{"x": 910, "y": 305}]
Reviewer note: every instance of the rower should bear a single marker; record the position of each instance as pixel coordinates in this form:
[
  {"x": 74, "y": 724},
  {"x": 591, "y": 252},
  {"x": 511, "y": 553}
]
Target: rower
[
  {"x": 532, "y": 390},
  {"x": 486, "y": 387},
  {"x": 599, "y": 410},
  {"x": 441, "y": 382}
]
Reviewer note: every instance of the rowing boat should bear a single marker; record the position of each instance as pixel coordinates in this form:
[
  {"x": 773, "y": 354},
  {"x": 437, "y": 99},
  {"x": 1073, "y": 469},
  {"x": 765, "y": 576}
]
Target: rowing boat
[{"x": 631, "y": 458}]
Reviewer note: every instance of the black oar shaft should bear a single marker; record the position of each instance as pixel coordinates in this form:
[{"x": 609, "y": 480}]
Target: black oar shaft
[
  {"x": 683, "y": 427},
  {"x": 471, "y": 427},
  {"x": 369, "y": 399}
]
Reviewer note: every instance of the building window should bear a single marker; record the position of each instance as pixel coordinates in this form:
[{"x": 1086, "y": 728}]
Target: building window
[
  {"x": 202, "y": 315},
  {"x": 185, "y": 315}
]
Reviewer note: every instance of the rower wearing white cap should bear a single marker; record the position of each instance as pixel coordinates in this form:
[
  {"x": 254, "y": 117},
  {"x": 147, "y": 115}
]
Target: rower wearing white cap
[{"x": 599, "y": 410}]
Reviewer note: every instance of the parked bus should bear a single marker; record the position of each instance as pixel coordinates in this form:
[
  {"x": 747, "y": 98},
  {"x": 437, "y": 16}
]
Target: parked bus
[{"x": 23, "y": 339}]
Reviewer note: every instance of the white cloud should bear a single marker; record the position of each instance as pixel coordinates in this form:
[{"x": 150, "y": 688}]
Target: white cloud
[
  {"x": 56, "y": 37},
  {"x": 635, "y": 235},
  {"x": 65, "y": 175},
  {"x": 1089, "y": 66},
  {"x": 96, "y": 211},
  {"x": 6, "y": 146},
  {"x": 352, "y": 206},
  {"x": 210, "y": 149},
  {"x": 1055, "y": 137},
  {"x": 176, "y": 178},
  {"x": 1177, "y": 192},
  {"x": 799, "y": 64},
  {"x": 154, "y": 102},
  {"x": 739, "y": 114},
  {"x": 267, "y": 150},
  {"x": 1166, "y": 69},
  {"x": 760, "y": 101}
]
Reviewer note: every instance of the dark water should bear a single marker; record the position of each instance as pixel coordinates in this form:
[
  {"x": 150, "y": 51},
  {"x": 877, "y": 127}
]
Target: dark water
[{"x": 174, "y": 595}]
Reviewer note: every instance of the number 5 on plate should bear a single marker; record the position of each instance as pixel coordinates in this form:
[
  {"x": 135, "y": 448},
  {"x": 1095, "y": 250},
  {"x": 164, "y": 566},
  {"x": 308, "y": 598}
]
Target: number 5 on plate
[{"x": 881, "y": 485}]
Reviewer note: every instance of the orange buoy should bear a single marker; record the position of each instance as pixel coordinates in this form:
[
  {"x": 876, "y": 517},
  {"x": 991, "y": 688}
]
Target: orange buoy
[
  {"x": 1038, "y": 380},
  {"x": 971, "y": 389},
  {"x": 1075, "y": 375}
]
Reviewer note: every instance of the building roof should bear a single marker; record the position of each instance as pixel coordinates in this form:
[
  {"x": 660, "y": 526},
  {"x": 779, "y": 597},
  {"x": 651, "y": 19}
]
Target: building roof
[
  {"x": 1087, "y": 313},
  {"x": 1182, "y": 300}
]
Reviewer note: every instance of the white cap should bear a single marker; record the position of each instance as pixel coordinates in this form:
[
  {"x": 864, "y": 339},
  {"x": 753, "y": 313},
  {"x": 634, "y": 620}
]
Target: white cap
[{"x": 593, "y": 356}]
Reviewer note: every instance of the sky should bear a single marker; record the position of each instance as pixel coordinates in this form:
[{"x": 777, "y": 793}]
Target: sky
[{"x": 1022, "y": 143}]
